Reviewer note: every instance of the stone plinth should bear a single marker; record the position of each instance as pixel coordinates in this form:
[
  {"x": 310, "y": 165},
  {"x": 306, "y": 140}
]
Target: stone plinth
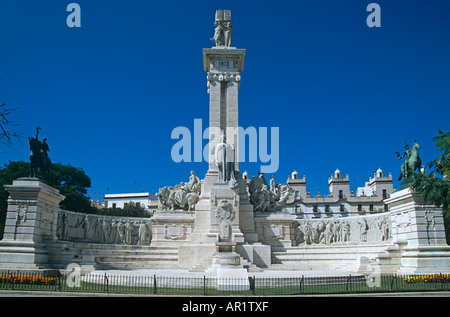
[
  {"x": 172, "y": 228},
  {"x": 418, "y": 228},
  {"x": 31, "y": 222}
]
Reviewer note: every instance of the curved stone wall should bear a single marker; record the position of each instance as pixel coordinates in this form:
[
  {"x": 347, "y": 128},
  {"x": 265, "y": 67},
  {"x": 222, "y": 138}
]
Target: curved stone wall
[
  {"x": 351, "y": 230},
  {"x": 73, "y": 226}
]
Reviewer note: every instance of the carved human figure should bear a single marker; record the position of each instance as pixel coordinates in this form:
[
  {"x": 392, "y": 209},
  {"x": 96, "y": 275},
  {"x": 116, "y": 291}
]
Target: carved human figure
[
  {"x": 224, "y": 159},
  {"x": 142, "y": 233},
  {"x": 223, "y": 33},
  {"x": 120, "y": 232},
  {"x": 129, "y": 232},
  {"x": 219, "y": 37},
  {"x": 228, "y": 34}
]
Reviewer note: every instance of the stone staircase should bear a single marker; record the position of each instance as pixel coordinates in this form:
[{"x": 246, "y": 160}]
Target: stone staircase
[
  {"x": 110, "y": 256},
  {"x": 323, "y": 257}
]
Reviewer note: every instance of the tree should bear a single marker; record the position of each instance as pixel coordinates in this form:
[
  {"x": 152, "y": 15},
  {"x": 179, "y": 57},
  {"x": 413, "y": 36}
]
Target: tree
[
  {"x": 6, "y": 134},
  {"x": 435, "y": 189},
  {"x": 73, "y": 183},
  {"x": 129, "y": 210}
]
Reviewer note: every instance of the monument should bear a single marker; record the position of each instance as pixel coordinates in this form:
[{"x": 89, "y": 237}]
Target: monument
[
  {"x": 223, "y": 216},
  {"x": 225, "y": 223}
]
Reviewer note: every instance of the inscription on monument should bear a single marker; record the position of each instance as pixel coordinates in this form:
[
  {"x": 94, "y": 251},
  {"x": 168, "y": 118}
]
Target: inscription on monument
[{"x": 229, "y": 64}]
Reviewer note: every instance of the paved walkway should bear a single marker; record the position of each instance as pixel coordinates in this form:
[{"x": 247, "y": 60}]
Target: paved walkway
[
  {"x": 10, "y": 293},
  {"x": 186, "y": 273}
]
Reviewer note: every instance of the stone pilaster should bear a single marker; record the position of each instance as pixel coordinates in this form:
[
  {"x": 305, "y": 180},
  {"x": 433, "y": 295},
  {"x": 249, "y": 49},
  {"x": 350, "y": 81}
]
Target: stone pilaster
[{"x": 418, "y": 228}]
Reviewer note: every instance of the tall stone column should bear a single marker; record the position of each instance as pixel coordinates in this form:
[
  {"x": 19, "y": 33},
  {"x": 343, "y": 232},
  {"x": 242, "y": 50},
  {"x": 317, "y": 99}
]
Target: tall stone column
[
  {"x": 224, "y": 67},
  {"x": 31, "y": 220}
]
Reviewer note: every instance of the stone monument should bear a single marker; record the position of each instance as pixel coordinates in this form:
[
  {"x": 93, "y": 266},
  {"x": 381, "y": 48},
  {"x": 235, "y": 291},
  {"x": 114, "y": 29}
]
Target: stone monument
[
  {"x": 31, "y": 224},
  {"x": 226, "y": 223},
  {"x": 224, "y": 220}
]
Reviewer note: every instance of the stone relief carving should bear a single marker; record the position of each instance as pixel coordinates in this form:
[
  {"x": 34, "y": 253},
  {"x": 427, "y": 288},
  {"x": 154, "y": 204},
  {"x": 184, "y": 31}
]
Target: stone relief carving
[
  {"x": 225, "y": 215},
  {"x": 267, "y": 199},
  {"x": 430, "y": 225},
  {"x": 103, "y": 229},
  {"x": 183, "y": 196},
  {"x": 341, "y": 230},
  {"x": 21, "y": 214}
]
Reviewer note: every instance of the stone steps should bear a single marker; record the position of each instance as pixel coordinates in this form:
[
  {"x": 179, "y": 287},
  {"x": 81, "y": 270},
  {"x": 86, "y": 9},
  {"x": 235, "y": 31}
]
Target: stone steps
[
  {"x": 110, "y": 256},
  {"x": 325, "y": 257}
]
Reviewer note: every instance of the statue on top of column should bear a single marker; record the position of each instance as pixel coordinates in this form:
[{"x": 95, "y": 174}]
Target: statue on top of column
[{"x": 223, "y": 34}]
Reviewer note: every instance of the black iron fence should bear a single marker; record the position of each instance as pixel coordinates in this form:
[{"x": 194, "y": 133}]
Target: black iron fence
[{"x": 176, "y": 285}]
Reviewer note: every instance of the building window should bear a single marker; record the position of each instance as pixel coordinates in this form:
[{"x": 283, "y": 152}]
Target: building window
[
  {"x": 297, "y": 194},
  {"x": 298, "y": 210},
  {"x": 371, "y": 207},
  {"x": 327, "y": 208},
  {"x": 114, "y": 205},
  {"x": 315, "y": 208},
  {"x": 384, "y": 193},
  {"x": 359, "y": 207},
  {"x": 342, "y": 208},
  {"x": 341, "y": 194},
  {"x": 386, "y": 207}
]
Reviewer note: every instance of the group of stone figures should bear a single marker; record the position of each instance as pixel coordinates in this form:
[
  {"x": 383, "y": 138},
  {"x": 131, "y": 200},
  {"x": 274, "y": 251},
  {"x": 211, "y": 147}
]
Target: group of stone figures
[
  {"x": 98, "y": 229},
  {"x": 353, "y": 230},
  {"x": 183, "y": 196},
  {"x": 268, "y": 199},
  {"x": 223, "y": 33}
]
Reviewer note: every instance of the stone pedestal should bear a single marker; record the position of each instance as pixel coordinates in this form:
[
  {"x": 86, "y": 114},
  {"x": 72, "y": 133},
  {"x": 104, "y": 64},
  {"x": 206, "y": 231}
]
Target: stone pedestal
[
  {"x": 171, "y": 228},
  {"x": 31, "y": 222},
  {"x": 418, "y": 228}
]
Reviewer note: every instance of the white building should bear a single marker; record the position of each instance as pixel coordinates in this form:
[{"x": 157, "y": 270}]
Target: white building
[
  {"x": 340, "y": 201},
  {"x": 147, "y": 200}
]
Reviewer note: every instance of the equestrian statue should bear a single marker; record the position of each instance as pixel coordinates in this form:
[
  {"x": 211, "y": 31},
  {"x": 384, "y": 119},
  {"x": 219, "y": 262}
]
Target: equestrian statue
[
  {"x": 39, "y": 156},
  {"x": 412, "y": 161}
]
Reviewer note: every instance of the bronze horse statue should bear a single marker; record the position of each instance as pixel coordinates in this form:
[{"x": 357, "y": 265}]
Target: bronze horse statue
[{"x": 412, "y": 161}]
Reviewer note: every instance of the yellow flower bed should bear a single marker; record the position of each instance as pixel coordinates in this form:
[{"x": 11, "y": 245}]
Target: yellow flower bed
[
  {"x": 429, "y": 278},
  {"x": 27, "y": 279}
]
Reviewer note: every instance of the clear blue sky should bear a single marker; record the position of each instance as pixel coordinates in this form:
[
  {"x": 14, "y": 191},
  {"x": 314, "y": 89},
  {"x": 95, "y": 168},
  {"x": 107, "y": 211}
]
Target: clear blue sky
[{"x": 108, "y": 95}]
